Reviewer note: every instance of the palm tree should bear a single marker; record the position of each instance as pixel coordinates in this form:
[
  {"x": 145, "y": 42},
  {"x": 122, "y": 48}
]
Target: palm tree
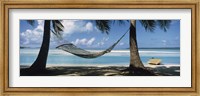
[
  {"x": 39, "y": 64},
  {"x": 136, "y": 66}
]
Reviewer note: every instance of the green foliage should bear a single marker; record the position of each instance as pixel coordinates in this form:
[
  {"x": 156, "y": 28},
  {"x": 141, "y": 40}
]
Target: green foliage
[
  {"x": 31, "y": 22},
  {"x": 150, "y": 25},
  {"x": 57, "y": 28},
  {"x": 164, "y": 24},
  {"x": 103, "y": 25}
]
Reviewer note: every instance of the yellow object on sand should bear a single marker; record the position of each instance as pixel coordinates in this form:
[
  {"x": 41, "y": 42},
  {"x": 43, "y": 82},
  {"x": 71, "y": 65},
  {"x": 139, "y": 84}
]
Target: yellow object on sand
[{"x": 154, "y": 61}]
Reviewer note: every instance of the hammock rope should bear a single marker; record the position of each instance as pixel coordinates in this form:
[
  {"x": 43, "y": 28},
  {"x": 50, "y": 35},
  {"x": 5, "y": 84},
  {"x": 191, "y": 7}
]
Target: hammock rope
[{"x": 71, "y": 48}]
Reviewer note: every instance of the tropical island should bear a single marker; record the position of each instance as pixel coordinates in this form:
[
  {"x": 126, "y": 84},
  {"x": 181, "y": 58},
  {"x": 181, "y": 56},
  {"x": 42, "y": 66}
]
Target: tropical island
[{"x": 70, "y": 59}]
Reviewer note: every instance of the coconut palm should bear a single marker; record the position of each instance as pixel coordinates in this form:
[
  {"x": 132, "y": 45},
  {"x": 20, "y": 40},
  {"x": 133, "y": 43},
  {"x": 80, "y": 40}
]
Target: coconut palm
[
  {"x": 136, "y": 66},
  {"x": 39, "y": 64}
]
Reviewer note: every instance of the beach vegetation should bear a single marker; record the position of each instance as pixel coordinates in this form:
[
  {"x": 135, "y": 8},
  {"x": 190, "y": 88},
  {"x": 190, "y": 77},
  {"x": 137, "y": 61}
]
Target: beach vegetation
[
  {"x": 136, "y": 67},
  {"x": 39, "y": 65}
]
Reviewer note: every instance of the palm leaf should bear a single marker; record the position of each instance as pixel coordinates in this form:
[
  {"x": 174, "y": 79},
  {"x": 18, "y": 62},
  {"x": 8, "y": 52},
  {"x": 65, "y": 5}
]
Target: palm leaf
[
  {"x": 31, "y": 22},
  {"x": 149, "y": 25},
  {"x": 58, "y": 27},
  {"x": 164, "y": 24},
  {"x": 103, "y": 25},
  {"x": 53, "y": 32}
]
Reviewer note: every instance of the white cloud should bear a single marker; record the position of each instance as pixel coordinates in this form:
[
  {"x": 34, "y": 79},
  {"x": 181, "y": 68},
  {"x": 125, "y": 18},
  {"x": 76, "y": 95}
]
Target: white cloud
[
  {"x": 69, "y": 26},
  {"x": 72, "y": 26},
  {"x": 40, "y": 22},
  {"x": 121, "y": 44},
  {"x": 164, "y": 42},
  {"x": 91, "y": 41},
  {"x": 89, "y": 26},
  {"x": 34, "y": 36},
  {"x": 100, "y": 43},
  {"x": 84, "y": 41},
  {"x": 105, "y": 38},
  {"x": 80, "y": 41},
  {"x": 31, "y": 37},
  {"x": 40, "y": 26}
]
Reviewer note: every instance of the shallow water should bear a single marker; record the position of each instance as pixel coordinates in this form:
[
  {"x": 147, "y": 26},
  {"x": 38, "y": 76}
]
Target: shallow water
[{"x": 116, "y": 57}]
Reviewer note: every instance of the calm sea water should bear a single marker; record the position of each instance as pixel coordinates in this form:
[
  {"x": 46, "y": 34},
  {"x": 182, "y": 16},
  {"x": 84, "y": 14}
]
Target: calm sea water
[{"x": 116, "y": 57}]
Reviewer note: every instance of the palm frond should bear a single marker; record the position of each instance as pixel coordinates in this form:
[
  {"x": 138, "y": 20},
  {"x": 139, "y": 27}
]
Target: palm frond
[
  {"x": 31, "y": 22},
  {"x": 164, "y": 24},
  {"x": 58, "y": 27},
  {"x": 103, "y": 25},
  {"x": 149, "y": 25},
  {"x": 56, "y": 34},
  {"x": 53, "y": 32}
]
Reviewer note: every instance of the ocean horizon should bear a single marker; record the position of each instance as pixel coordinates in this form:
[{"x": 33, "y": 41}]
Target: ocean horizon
[{"x": 115, "y": 57}]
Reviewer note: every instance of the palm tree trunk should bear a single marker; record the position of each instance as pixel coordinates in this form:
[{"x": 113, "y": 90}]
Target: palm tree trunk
[
  {"x": 135, "y": 61},
  {"x": 136, "y": 66},
  {"x": 40, "y": 63}
]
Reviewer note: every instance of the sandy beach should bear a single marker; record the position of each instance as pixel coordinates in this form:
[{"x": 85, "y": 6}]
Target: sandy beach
[{"x": 68, "y": 70}]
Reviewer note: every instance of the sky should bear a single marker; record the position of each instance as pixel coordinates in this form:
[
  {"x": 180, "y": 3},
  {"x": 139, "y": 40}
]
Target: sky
[{"x": 84, "y": 34}]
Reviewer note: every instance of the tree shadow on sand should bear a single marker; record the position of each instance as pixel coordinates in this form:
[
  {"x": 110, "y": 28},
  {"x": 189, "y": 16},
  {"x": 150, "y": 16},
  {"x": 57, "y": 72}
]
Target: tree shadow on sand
[{"x": 98, "y": 71}]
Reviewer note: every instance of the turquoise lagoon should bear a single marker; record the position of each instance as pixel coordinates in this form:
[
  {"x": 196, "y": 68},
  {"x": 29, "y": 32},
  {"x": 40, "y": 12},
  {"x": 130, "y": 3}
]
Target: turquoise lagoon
[{"x": 115, "y": 58}]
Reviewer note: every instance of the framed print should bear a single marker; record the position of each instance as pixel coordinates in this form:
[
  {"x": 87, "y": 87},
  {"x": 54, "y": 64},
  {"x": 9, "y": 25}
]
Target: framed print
[{"x": 101, "y": 48}]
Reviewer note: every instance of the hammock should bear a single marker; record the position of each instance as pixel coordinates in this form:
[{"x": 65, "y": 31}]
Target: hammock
[{"x": 71, "y": 48}]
